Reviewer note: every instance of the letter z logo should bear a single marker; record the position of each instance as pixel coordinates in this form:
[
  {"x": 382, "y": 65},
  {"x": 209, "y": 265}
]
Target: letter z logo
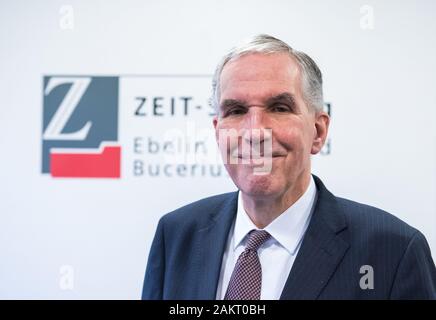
[{"x": 80, "y": 127}]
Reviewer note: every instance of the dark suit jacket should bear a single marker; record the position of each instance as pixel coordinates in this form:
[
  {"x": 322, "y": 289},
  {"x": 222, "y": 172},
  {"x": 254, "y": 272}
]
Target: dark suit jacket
[{"x": 187, "y": 250}]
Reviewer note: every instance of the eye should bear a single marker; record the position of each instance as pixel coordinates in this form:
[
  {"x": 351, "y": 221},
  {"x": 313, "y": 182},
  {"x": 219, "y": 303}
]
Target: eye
[
  {"x": 280, "y": 107},
  {"x": 235, "y": 111}
]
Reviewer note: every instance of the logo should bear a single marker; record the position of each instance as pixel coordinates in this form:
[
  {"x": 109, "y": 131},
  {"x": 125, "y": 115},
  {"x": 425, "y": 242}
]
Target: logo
[{"x": 80, "y": 127}]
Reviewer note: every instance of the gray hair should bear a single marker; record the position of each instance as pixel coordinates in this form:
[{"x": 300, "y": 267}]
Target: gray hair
[{"x": 266, "y": 44}]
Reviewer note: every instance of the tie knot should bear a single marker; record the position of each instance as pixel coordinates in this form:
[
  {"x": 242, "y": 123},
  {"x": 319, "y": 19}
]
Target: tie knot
[{"x": 256, "y": 238}]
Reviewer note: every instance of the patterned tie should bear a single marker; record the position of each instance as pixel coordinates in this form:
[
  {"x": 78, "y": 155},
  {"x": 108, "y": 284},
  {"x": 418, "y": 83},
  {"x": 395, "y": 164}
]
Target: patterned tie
[{"x": 246, "y": 280}]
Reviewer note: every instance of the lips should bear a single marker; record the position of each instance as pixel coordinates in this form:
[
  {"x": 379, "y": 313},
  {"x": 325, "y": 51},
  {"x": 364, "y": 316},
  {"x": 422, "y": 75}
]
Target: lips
[
  {"x": 256, "y": 154},
  {"x": 261, "y": 155}
]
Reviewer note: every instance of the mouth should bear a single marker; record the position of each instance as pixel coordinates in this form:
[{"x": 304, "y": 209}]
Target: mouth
[{"x": 260, "y": 156}]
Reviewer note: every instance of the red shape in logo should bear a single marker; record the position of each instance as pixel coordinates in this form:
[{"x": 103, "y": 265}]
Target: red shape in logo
[{"x": 87, "y": 165}]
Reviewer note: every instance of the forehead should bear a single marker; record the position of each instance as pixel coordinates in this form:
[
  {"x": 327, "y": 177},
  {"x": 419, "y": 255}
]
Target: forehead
[{"x": 257, "y": 76}]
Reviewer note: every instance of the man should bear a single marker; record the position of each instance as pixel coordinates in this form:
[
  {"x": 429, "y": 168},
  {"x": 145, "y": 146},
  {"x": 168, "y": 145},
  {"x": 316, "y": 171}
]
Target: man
[{"x": 283, "y": 235}]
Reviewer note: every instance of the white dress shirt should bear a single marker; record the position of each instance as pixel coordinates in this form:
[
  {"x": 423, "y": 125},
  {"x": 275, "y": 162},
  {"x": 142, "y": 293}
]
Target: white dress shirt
[{"x": 276, "y": 255}]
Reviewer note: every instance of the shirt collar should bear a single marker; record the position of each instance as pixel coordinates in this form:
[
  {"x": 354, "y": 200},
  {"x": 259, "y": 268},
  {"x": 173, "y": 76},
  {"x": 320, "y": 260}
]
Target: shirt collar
[{"x": 287, "y": 229}]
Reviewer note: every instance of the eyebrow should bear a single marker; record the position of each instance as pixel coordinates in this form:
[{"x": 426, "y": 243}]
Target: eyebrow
[
  {"x": 284, "y": 97},
  {"x": 230, "y": 103}
]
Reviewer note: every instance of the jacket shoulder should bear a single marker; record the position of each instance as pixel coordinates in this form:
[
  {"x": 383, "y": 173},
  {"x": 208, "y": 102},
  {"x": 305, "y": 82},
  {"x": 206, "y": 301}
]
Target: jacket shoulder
[
  {"x": 199, "y": 211},
  {"x": 365, "y": 219}
]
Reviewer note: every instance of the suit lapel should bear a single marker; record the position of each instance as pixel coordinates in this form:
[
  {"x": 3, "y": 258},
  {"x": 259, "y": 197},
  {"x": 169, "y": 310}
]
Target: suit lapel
[
  {"x": 323, "y": 248},
  {"x": 211, "y": 244}
]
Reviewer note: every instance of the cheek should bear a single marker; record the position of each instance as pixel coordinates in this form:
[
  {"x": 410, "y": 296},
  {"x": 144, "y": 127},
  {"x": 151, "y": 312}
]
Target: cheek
[
  {"x": 297, "y": 137},
  {"x": 290, "y": 138},
  {"x": 227, "y": 138}
]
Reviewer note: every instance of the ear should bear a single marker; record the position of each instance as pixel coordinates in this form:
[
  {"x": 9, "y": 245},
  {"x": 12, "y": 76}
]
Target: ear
[
  {"x": 215, "y": 124},
  {"x": 322, "y": 121}
]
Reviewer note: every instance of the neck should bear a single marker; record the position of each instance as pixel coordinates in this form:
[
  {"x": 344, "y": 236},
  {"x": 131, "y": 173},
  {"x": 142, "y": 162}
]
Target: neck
[{"x": 263, "y": 210}]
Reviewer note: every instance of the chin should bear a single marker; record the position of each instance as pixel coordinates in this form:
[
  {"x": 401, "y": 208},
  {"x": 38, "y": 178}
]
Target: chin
[{"x": 257, "y": 185}]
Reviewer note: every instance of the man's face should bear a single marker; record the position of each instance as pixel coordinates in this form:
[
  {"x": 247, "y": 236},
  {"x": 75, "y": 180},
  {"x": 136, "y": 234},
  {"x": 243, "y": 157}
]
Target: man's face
[{"x": 259, "y": 92}]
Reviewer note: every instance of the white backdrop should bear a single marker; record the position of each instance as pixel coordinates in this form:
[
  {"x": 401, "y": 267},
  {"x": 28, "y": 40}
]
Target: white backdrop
[{"x": 69, "y": 238}]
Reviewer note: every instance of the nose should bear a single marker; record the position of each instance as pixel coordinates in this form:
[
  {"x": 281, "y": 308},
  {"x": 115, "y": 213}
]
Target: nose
[{"x": 256, "y": 129}]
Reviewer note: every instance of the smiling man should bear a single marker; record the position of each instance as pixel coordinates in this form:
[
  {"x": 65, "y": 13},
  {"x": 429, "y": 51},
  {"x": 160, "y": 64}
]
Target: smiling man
[{"x": 283, "y": 235}]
